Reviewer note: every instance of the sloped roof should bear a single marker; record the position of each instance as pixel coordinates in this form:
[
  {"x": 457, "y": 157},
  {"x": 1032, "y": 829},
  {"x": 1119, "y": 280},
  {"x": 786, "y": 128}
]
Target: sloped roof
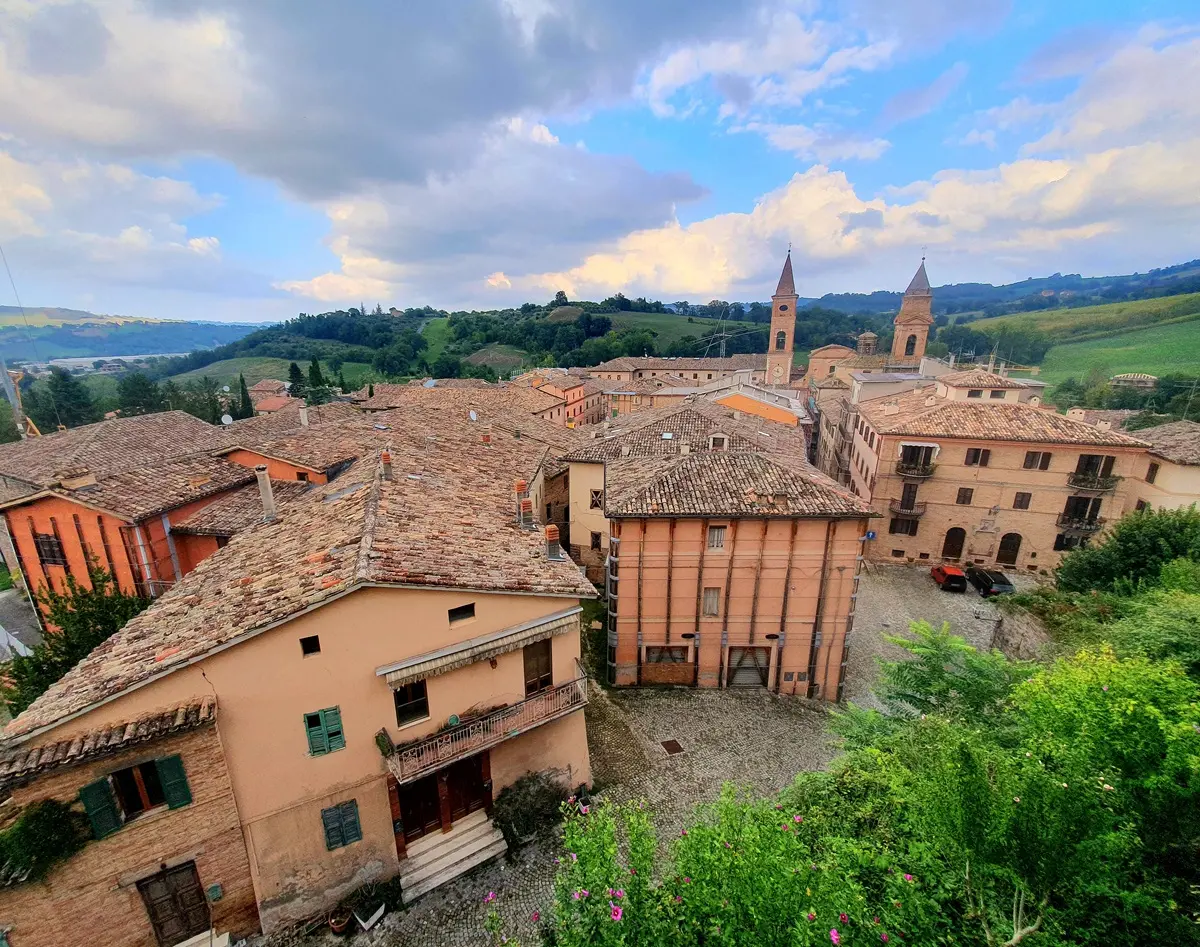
[
  {"x": 832, "y": 381},
  {"x": 1178, "y": 442},
  {"x": 268, "y": 386},
  {"x": 919, "y": 286},
  {"x": 267, "y": 427},
  {"x": 628, "y": 363},
  {"x": 277, "y": 403},
  {"x": 787, "y": 285},
  {"x": 979, "y": 378},
  {"x": 649, "y": 384},
  {"x": 516, "y": 397},
  {"x": 724, "y": 484},
  {"x": 238, "y": 509}
]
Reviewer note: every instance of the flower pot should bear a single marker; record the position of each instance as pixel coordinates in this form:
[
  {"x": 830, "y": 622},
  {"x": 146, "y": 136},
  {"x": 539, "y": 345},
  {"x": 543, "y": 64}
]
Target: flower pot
[{"x": 339, "y": 921}]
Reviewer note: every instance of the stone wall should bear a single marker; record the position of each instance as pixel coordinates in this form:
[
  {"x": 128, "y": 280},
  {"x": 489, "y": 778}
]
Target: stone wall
[{"x": 1020, "y": 635}]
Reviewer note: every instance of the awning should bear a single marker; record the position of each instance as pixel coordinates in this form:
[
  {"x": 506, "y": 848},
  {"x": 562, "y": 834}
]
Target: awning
[{"x": 462, "y": 653}]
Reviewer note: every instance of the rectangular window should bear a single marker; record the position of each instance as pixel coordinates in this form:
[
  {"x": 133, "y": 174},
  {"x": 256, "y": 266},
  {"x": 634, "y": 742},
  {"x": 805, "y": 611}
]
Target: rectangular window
[
  {"x": 324, "y": 731},
  {"x": 302, "y": 476},
  {"x": 49, "y": 549},
  {"x": 596, "y": 541},
  {"x": 341, "y": 825},
  {"x": 977, "y": 457},
  {"x": 547, "y": 512},
  {"x": 716, "y": 537},
  {"x": 903, "y": 526},
  {"x": 1021, "y": 501},
  {"x": 310, "y": 645},
  {"x": 1142, "y": 505},
  {"x": 597, "y": 500},
  {"x": 1037, "y": 460},
  {"x": 975, "y": 393},
  {"x": 131, "y": 792},
  {"x": 538, "y": 673},
  {"x": 673, "y": 655},
  {"x": 412, "y": 703},
  {"x": 712, "y": 602},
  {"x": 996, "y": 395},
  {"x": 964, "y": 496},
  {"x": 1152, "y": 473},
  {"x": 461, "y": 613}
]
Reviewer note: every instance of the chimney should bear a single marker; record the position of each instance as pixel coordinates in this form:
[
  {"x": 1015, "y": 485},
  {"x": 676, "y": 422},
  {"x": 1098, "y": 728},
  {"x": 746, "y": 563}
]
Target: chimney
[
  {"x": 520, "y": 487},
  {"x": 1104, "y": 425},
  {"x": 685, "y": 448},
  {"x": 385, "y": 458},
  {"x": 890, "y": 409},
  {"x": 304, "y": 415},
  {"x": 553, "y": 549},
  {"x": 625, "y": 448},
  {"x": 486, "y": 437},
  {"x": 267, "y": 494},
  {"x": 527, "y": 513}
]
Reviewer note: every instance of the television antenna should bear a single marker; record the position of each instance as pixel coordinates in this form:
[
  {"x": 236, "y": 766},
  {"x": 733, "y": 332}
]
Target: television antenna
[{"x": 226, "y": 419}]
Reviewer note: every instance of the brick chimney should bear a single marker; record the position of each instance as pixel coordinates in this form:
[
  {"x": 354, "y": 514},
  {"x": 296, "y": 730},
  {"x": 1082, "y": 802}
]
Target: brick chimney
[
  {"x": 527, "y": 513},
  {"x": 304, "y": 415},
  {"x": 553, "y": 548},
  {"x": 520, "y": 488},
  {"x": 385, "y": 458},
  {"x": 266, "y": 493},
  {"x": 685, "y": 448}
]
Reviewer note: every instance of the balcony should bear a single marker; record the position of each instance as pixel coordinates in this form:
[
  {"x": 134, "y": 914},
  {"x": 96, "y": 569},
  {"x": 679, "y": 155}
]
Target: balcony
[
  {"x": 1092, "y": 483},
  {"x": 915, "y": 471},
  {"x": 414, "y": 760},
  {"x": 1079, "y": 524},
  {"x": 900, "y": 508}
]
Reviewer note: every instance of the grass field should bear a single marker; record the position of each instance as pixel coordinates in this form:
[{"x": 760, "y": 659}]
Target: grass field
[
  {"x": 256, "y": 369},
  {"x": 1095, "y": 322},
  {"x": 41, "y": 317},
  {"x": 669, "y": 327},
  {"x": 437, "y": 334},
  {"x": 1158, "y": 350},
  {"x": 501, "y": 358}
]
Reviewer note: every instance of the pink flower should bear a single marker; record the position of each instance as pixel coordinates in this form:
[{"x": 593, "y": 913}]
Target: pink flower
[
  {"x": 907, "y": 876},
  {"x": 574, "y": 857},
  {"x": 683, "y": 831},
  {"x": 843, "y": 917},
  {"x": 616, "y": 912},
  {"x": 491, "y": 896},
  {"x": 620, "y": 892},
  {"x": 571, "y": 800},
  {"x": 797, "y": 818},
  {"x": 727, "y": 845},
  {"x": 584, "y": 809},
  {"x": 584, "y": 893},
  {"x": 687, "y": 880},
  {"x": 779, "y": 806},
  {"x": 875, "y": 920},
  {"x": 811, "y": 916},
  {"x": 1104, "y": 688},
  {"x": 535, "y": 917},
  {"x": 834, "y": 936},
  {"x": 884, "y": 938},
  {"x": 575, "y": 895},
  {"x": 678, "y": 899}
]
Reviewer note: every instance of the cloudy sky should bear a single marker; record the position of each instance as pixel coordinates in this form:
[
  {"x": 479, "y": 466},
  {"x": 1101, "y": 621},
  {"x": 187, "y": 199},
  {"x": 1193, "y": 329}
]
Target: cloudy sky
[{"x": 246, "y": 161}]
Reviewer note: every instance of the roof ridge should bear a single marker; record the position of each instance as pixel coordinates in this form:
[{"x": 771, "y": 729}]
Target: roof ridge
[{"x": 366, "y": 541}]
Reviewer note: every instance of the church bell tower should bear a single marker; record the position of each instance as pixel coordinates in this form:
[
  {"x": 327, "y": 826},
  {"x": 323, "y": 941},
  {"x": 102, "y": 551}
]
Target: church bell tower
[{"x": 783, "y": 326}]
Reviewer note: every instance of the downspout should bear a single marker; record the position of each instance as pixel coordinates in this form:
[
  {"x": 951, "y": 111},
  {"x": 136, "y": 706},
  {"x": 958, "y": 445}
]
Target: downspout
[
  {"x": 670, "y": 571},
  {"x": 166, "y": 525},
  {"x": 757, "y": 578},
  {"x": 699, "y": 598},
  {"x": 141, "y": 544},
  {"x": 819, "y": 617},
  {"x": 733, "y": 531},
  {"x": 641, "y": 569},
  {"x": 787, "y": 588}
]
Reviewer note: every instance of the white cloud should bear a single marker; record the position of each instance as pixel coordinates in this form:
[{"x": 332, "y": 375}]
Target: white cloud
[
  {"x": 1016, "y": 115},
  {"x": 821, "y": 142},
  {"x": 913, "y": 103}
]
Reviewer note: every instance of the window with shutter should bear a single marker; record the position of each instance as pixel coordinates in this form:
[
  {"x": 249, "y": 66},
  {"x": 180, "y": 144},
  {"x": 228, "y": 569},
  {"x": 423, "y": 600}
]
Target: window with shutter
[
  {"x": 341, "y": 825},
  {"x": 331, "y": 821},
  {"x": 174, "y": 782},
  {"x": 317, "y": 744},
  {"x": 333, "y": 728},
  {"x": 324, "y": 730},
  {"x": 351, "y": 827},
  {"x": 101, "y": 808}
]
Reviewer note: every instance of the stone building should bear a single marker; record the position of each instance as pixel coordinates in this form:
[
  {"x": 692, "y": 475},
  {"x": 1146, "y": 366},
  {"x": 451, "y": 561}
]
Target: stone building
[{"x": 1168, "y": 477}]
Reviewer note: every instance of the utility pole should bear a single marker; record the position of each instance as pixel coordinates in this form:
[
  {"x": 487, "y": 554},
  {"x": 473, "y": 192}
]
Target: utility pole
[
  {"x": 10, "y": 392},
  {"x": 1192, "y": 394}
]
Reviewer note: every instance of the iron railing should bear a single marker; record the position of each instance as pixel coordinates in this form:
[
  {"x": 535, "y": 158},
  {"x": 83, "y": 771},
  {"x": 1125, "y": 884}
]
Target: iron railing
[
  {"x": 433, "y": 753},
  {"x": 900, "y": 508},
  {"x": 1092, "y": 482},
  {"x": 915, "y": 471},
  {"x": 1080, "y": 524}
]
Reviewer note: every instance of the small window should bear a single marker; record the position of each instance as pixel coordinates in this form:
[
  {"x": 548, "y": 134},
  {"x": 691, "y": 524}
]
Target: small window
[
  {"x": 1152, "y": 473},
  {"x": 547, "y": 512},
  {"x": 597, "y": 501},
  {"x": 49, "y": 549},
  {"x": 324, "y": 731},
  {"x": 1141, "y": 506},
  {"x": 712, "y": 602},
  {"x": 310, "y": 645},
  {"x": 341, "y": 825},
  {"x": 717, "y": 442},
  {"x": 671, "y": 655},
  {"x": 138, "y": 789},
  {"x": 461, "y": 613},
  {"x": 716, "y": 537},
  {"x": 903, "y": 526},
  {"x": 1021, "y": 501},
  {"x": 412, "y": 703},
  {"x": 1037, "y": 460},
  {"x": 996, "y": 394},
  {"x": 974, "y": 393},
  {"x": 128, "y": 793},
  {"x": 897, "y": 553},
  {"x": 964, "y": 496},
  {"x": 977, "y": 457},
  {"x": 538, "y": 671},
  {"x": 596, "y": 541},
  {"x": 302, "y": 476}
]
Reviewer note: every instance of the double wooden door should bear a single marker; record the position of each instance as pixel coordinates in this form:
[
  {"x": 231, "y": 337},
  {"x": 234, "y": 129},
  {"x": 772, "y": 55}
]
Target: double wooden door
[
  {"x": 436, "y": 802},
  {"x": 176, "y": 904}
]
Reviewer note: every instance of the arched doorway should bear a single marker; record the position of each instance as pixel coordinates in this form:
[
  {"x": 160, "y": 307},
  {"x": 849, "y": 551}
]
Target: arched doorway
[
  {"x": 1010, "y": 545},
  {"x": 780, "y": 340},
  {"x": 910, "y": 347},
  {"x": 952, "y": 547}
]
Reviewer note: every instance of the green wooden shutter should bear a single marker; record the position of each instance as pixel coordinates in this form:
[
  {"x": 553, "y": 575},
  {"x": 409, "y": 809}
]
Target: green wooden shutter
[
  {"x": 351, "y": 827},
  {"x": 174, "y": 781},
  {"x": 332, "y": 719},
  {"x": 314, "y": 726},
  {"x": 101, "y": 808},
  {"x": 331, "y": 820}
]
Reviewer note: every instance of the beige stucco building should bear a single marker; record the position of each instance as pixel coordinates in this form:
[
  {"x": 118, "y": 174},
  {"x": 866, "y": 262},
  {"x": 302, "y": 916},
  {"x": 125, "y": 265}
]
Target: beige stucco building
[{"x": 1168, "y": 477}]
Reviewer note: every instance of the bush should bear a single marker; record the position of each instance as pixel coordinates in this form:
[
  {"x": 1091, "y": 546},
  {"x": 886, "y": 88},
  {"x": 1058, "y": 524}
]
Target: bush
[
  {"x": 1132, "y": 555},
  {"x": 45, "y": 833},
  {"x": 529, "y": 806}
]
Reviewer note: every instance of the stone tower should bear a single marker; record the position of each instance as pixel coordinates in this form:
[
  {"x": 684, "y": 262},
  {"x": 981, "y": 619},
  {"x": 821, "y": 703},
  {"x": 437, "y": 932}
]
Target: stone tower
[
  {"x": 783, "y": 326},
  {"x": 914, "y": 319}
]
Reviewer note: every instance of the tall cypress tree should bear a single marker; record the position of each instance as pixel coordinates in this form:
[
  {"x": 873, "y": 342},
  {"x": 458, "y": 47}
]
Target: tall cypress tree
[
  {"x": 246, "y": 408},
  {"x": 296, "y": 381},
  {"x": 315, "y": 378}
]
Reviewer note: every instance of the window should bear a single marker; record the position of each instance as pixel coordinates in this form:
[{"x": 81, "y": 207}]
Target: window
[
  {"x": 977, "y": 457},
  {"x": 832, "y": 368},
  {"x": 717, "y": 442},
  {"x": 547, "y": 511},
  {"x": 1021, "y": 501},
  {"x": 597, "y": 501},
  {"x": 1152, "y": 473},
  {"x": 302, "y": 476},
  {"x": 324, "y": 731},
  {"x": 538, "y": 673},
  {"x": 1141, "y": 505},
  {"x": 780, "y": 340},
  {"x": 1037, "y": 460},
  {"x": 49, "y": 549},
  {"x": 974, "y": 393},
  {"x": 128, "y": 793},
  {"x": 716, "y": 537},
  {"x": 996, "y": 394},
  {"x": 910, "y": 345},
  {"x": 712, "y": 602},
  {"x": 671, "y": 655},
  {"x": 964, "y": 496},
  {"x": 903, "y": 526},
  {"x": 461, "y": 613},
  {"x": 897, "y": 553},
  {"x": 596, "y": 541},
  {"x": 871, "y": 439},
  {"x": 310, "y": 645},
  {"x": 412, "y": 703},
  {"x": 341, "y": 825}
]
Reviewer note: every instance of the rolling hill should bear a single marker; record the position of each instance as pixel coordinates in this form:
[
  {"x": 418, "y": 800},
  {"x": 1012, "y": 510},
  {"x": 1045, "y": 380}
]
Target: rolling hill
[{"x": 1097, "y": 322}]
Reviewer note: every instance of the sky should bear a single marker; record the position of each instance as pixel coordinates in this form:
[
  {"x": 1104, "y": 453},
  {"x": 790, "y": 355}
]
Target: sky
[{"x": 233, "y": 161}]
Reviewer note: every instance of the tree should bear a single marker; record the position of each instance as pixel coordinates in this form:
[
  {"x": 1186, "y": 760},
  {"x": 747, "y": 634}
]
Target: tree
[
  {"x": 560, "y": 298},
  {"x": 137, "y": 394},
  {"x": 202, "y": 398},
  {"x": 370, "y": 389},
  {"x": 245, "y": 407},
  {"x": 342, "y": 382},
  {"x": 315, "y": 378},
  {"x": 1133, "y": 553},
  {"x": 61, "y": 399},
  {"x": 173, "y": 396},
  {"x": 8, "y": 424},
  {"x": 79, "y": 618},
  {"x": 296, "y": 381}
]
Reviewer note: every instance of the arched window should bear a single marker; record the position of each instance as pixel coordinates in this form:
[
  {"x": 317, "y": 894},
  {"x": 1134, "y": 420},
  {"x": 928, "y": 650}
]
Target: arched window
[
  {"x": 780, "y": 340},
  {"x": 910, "y": 347}
]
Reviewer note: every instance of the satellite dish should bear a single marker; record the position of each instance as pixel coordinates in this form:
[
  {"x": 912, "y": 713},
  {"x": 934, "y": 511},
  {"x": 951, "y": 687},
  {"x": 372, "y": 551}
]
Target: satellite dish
[
  {"x": 474, "y": 416},
  {"x": 226, "y": 419},
  {"x": 225, "y": 388}
]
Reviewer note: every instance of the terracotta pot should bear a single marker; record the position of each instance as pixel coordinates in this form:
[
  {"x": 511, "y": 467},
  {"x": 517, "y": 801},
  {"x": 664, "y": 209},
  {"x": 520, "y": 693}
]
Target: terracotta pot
[{"x": 339, "y": 922}]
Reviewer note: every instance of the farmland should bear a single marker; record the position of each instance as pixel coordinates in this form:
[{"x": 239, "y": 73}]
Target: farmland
[
  {"x": 255, "y": 369},
  {"x": 1094, "y": 322},
  {"x": 1158, "y": 350}
]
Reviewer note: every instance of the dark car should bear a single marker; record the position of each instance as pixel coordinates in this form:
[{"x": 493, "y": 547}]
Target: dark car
[
  {"x": 950, "y": 578},
  {"x": 990, "y": 582}
]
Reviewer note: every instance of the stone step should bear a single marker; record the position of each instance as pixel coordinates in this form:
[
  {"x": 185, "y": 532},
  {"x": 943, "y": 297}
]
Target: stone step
[
  {"x": 458, "y": 868},
  {"x": 437, "y": 839},
  {"x": 207, "y": 939},
  {"x": 454, "y": 850}
]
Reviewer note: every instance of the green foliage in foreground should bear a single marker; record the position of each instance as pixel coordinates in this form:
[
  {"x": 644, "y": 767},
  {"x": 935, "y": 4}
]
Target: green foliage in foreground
[
  {"x": 45, "y": 833},
  {"x": 1132, "y": 554}
]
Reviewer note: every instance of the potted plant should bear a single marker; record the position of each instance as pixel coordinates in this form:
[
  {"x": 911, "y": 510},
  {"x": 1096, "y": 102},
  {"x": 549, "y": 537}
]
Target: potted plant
[{"x": 339, "y": 919}]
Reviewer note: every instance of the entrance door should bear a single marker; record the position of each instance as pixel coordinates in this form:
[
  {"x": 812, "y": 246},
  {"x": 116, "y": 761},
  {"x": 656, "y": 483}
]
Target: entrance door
[
  {"x": 1010, "y": 545},
  {"x": 176, "y": 904},
  {"x": 464, "y": 780},
  {"x": 748, "y": 667},
  {"x": 952, "y": 548},
  {"x": 420, "y": 808}
]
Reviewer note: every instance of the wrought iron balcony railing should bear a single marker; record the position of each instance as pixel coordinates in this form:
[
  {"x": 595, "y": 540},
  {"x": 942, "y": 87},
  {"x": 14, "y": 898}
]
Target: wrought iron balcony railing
[
  {"x": 911, "y": 509},
  {"x": 915, "y": 471},
  {"x": 1080, "y": 524},
  {"x": 1093, "y": 483}
]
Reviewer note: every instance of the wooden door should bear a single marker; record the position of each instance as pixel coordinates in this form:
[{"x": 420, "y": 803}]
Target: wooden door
[
  {"x": 420, "y": 808},
  {"x": 464, "y": 780},
  {"x": 176, "y": 904},
  {"x": 952, "y": 547},
  {"x": 1010, "y": 545}
]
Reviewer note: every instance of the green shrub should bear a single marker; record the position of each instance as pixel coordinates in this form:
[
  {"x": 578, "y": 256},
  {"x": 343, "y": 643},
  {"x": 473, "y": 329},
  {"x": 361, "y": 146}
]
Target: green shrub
[
  {"x": 529, "y": 806},
  {"x": 44, "y": 834}
]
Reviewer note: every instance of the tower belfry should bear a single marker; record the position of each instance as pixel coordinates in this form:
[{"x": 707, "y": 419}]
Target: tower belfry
[
  {"x": 783, "y": 327},
  {"x": 915, "y": 317}
]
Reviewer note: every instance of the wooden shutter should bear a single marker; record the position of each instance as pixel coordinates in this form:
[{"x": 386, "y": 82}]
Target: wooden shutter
[
  {"x": 332, "y": 720},
  {"x": 101, "y": 808},
  {"x": 174, "y": 781},
  {"x": 351, "y": 827},
  {"x": 331, "y": 821},
  {"x": 315, "y": 727}
]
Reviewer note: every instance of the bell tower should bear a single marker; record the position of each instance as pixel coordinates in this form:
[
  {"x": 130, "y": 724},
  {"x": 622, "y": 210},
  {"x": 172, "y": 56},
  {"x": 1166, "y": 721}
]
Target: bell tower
[
  {"x": 914, "y": 318},
  {"x": 783, "y": 327}
]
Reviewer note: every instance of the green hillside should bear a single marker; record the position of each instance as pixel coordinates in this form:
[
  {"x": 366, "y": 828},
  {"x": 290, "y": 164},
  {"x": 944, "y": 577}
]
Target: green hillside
[
  {"x": 226, "y": 372},
  {"x": 500, "y": 358},
  {"x": 1158, "y": 350},
  {"x": 669, "y": 327},
  {"x": 1095, "y": 322}
]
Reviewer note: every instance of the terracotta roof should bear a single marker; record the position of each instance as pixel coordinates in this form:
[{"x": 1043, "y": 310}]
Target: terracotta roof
[
  {"x": 268, "y": 386},
  {"x": 830, "y": 347},
  {"x": 445, "y": 519},
  {"x": 276, "y": 403},
  {"x": 920, "y": 283},
  {"x": 649, "y": 384},
  {"x": 596, "y": 386},
  {"x": 692, "y": 423},
  {"x": 629, "y": 363},
  {"x": 517, "y": 397},
  {"x": 22, "y": 764},
  {"x": 787, "y": 285},
  {"x": 1178, "y": 442},
  {"x": 832, "y": 381},
  {"x": 995, "y": 420},
  {"x": 322, "y": 447},
  {"x": 450, "y": 383},
  {"x": 979, "y": 378},
  {"x": 1114, "y": 416},
  {"x": 877, "y": 361},
  {"x": 724, "y": 484},
  {"x": 238, "y": 509},
  {"x": 107, "y": 447},
  {"x": 267, "y": 427}
]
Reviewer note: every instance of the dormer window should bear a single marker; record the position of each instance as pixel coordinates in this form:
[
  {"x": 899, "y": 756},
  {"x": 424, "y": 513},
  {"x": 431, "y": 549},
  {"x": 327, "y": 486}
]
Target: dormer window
[
  {"x": 974, "y": 393},
  {"x": 718, "y": 442}
]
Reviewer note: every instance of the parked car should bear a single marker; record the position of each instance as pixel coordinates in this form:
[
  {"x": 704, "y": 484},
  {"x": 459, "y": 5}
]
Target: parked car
[
  {"x": 989, "y": 582},
  {"x": 950, "y": 578}
]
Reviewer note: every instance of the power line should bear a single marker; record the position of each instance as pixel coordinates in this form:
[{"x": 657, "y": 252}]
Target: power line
[{"x": 32, "y": 343}]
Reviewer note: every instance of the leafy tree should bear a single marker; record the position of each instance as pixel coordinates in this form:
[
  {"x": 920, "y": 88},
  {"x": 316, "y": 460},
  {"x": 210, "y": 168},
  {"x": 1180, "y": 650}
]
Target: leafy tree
[
  {"x": 79, "y": 618},
  {"x": 137, "y": 394},
  {"x": 370, "y": 390},
  {"x": 315, "y": 378},
  {"x": 245, "y": 407},
  {"x": 446, "y": 366},
  {"x": 1133, "y": 553},
  {"x": 296, "y": 381},
  {"x": 342, "y": 382},
  {"x": 173, "y": 396},
  {"x": 8, "y": 424},
  {"x": 62, "y": 398},
  {"x": 202, "y": 398},
  {"x": 560, "y": 299}
]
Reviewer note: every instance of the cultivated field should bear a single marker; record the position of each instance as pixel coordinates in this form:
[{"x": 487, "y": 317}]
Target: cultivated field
[
  {"x": 256, "y": 369},
  {"x": 1093, "y": 322},
  {"x": 1159, "y": 350}
]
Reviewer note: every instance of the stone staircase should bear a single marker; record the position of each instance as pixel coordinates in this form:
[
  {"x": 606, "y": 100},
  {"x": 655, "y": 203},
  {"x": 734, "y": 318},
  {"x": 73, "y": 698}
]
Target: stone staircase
[{"x": 441, "y": 857}]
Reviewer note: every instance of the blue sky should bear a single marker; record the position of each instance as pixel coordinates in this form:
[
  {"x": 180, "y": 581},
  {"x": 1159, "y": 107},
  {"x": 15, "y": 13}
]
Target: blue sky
[{"x": 209, "y": 159}]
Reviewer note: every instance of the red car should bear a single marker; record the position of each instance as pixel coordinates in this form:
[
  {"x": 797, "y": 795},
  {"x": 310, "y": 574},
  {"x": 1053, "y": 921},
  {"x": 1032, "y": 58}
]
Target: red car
[{"x": 950, "y": 578}]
